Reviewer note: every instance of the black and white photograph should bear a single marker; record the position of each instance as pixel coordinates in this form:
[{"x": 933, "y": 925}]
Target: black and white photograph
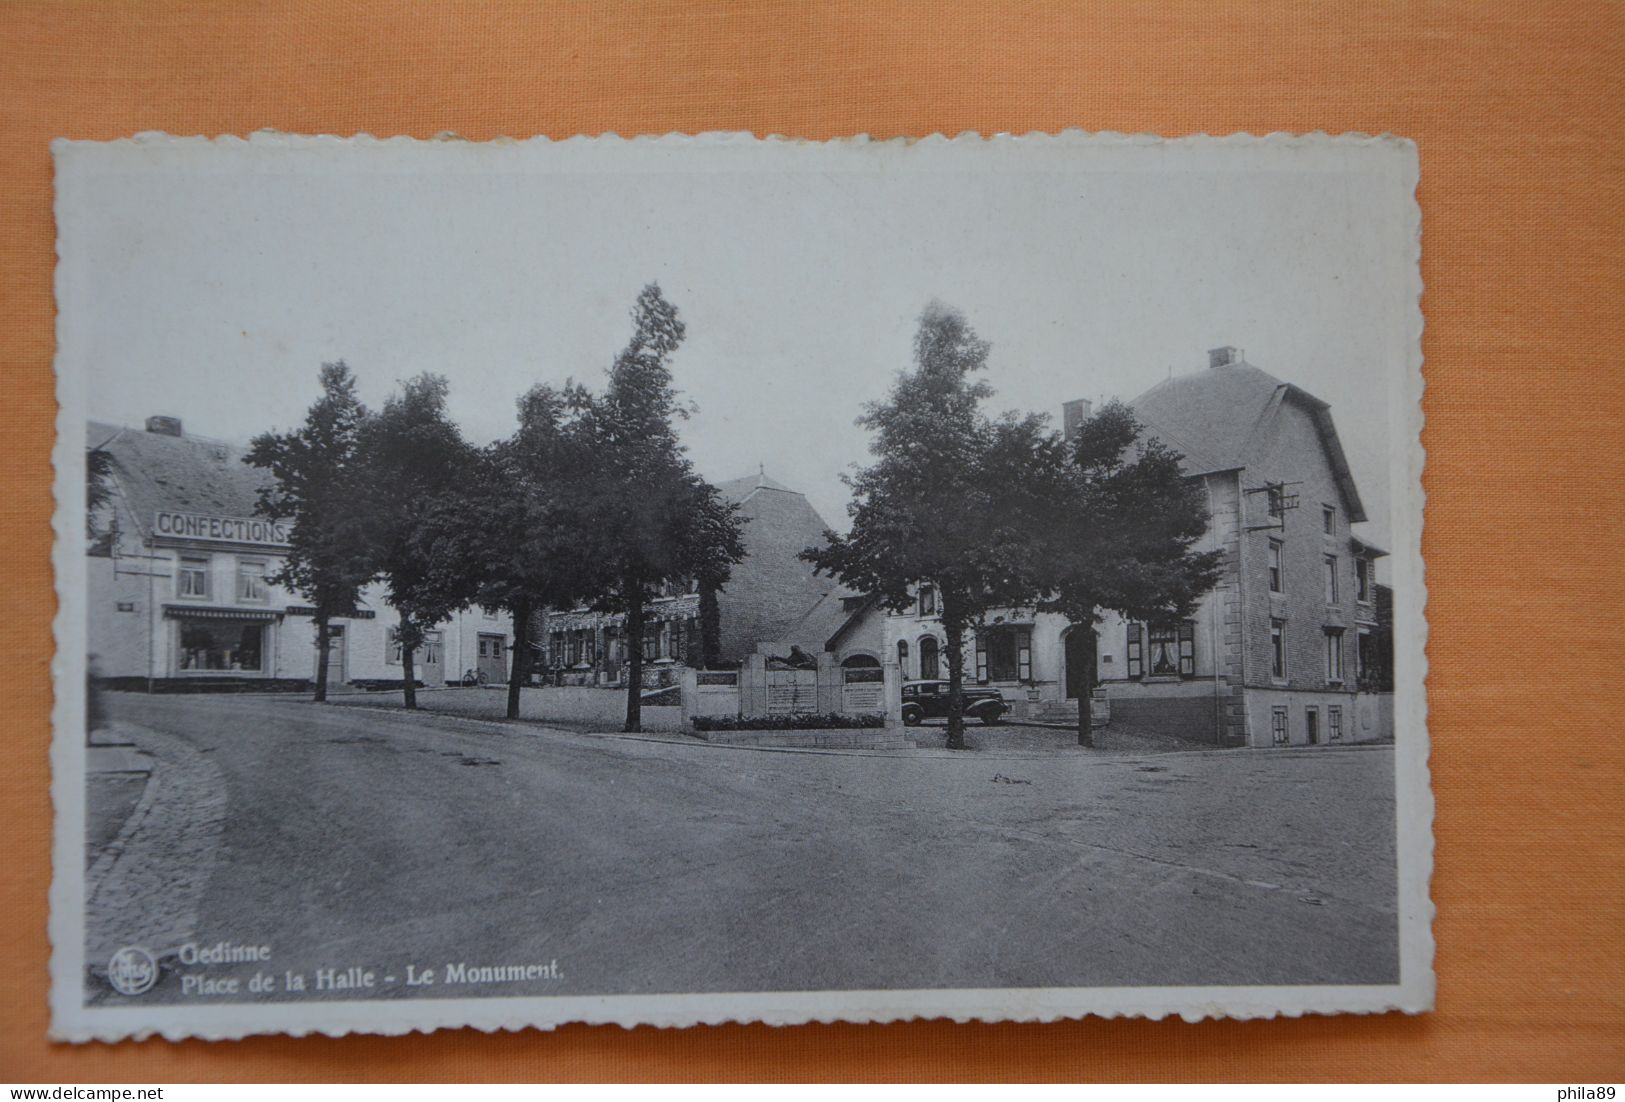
[{"x": 681, "y": 580}]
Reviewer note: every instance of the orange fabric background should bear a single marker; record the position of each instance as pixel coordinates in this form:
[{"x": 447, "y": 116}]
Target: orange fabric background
[{"x": 1517, "y": 108}]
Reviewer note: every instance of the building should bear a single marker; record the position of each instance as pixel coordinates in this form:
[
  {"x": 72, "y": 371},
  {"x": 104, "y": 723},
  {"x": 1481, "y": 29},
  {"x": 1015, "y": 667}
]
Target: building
[
  {"x": 180, "y": 591},
  {"x": 772, "y": 601},
  {"x": 1287, "y": 648}
]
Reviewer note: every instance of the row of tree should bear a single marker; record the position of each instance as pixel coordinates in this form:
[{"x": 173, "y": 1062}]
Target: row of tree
[
  {"x": 592, "y": 500},
  {"x": 1002, "y": 513}
]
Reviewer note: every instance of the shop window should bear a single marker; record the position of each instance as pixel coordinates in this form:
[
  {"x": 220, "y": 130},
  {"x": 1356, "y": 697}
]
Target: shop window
[
  {"x": 1278, "y": 649},
  {"x": 928, "y": 600},
  {"x": 902, "y": 658},
  {"x": 1334, "y": 722},
  {"x": 1330, "y": 570},
  {"x": 1004, "y": 654},
  {"x": 1278, "y": 732},
  {"x": 251, "y": 587},
  {"x": 1275, "y": 566},
  {"x": 192, "y": 580},
  {"x": 221, "y": 646},
  {"x": 1334, "y": 655}
]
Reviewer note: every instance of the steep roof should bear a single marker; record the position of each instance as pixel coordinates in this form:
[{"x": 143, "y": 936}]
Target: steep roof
[
  {"x": 1218, "y": 418},
  {"x": 156, "y": 472},
  {"x": 740, "y": 490}
]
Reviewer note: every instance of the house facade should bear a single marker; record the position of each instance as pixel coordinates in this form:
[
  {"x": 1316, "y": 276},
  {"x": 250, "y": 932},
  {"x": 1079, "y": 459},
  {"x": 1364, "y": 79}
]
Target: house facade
[
  {"x": 1287, "y": 649},
  {"x": 180, "y": 590},
  {"x": 772, "y": 602}
]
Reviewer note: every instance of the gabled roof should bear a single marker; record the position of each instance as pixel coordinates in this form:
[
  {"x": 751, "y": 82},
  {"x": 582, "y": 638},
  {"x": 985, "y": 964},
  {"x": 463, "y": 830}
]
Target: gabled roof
[
  {"x": 1218, "y": 418},
  {"x": 156, "y": 472}
]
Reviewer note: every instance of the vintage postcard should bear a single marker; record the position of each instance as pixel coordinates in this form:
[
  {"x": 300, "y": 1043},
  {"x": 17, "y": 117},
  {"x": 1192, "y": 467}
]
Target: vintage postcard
[{"x": 705, "y": 579}]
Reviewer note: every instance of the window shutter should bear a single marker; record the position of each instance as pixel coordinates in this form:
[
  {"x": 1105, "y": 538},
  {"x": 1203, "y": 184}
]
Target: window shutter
[
  {"x": 1133, "y": 651},
  {"x": 1187, "y": 649},
  {"x": 981, "y": 658}
]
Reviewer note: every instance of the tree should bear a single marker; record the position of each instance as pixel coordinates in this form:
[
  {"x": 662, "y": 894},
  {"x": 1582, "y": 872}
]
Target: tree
[
  {"x": 98, "y": 498},
  {"x": 316, "y": 485},
  {"x": 955, "y": 499},
  {"x": 652, "y": 519},
  {"x": 414, "y": 459},
  {"x": 1125, "y": 541},
  {"x": 515, "y": 532}
]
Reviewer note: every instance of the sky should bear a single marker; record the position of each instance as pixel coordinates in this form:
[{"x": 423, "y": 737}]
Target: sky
[{"x": 218, "y": 281}]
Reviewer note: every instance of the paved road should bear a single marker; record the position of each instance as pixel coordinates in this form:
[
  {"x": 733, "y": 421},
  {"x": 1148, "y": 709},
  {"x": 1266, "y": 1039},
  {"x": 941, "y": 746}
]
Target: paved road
[{"x": 378, "y": 840}]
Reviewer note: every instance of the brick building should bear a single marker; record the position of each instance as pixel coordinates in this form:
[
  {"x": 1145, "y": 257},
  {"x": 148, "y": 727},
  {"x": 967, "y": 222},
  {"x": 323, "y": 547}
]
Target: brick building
[
  {"x": 1279, "y": 651},
  {"x": 772, "y": 600},
  {"x": 179, "y": 584}
]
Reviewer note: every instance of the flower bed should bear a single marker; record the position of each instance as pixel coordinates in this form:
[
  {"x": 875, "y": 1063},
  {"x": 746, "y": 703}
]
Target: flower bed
[{"x": 797, "y": 721}]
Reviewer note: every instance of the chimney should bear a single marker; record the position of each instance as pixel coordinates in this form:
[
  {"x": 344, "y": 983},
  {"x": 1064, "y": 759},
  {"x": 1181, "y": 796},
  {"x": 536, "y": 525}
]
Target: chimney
[
  {"x": 164, "y": 426},
  {"x": 1220, "y": 357},
  {"x": 1073, "y": 415}
]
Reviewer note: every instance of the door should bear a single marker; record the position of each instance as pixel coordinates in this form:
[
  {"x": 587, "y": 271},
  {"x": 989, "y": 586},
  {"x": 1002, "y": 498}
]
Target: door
[
  {"x": 1311, "y": 725},
  {"x": 335, "y": 657},
  {"x": 494, "y": 658},
  {"x": 1080, "y": 662}
]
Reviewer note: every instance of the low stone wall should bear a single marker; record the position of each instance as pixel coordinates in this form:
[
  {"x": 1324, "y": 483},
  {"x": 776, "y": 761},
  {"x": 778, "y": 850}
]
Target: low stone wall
[{"x": 1186, "y": 717}]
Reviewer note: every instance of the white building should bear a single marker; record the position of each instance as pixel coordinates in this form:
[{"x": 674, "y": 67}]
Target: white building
[{"x": 180, "y": 597}]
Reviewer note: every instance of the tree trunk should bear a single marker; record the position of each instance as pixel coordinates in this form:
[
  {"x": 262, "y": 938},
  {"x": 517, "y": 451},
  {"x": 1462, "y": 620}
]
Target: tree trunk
[
  {"x": 521, "y": 656},
  {"x": 634, "y": 657},
  {"x": 321, "y": 657},
  {"x": 1086, "y": 691},
  {"x": 954, "y": 627},
  {"x": 408, "y": 672}
]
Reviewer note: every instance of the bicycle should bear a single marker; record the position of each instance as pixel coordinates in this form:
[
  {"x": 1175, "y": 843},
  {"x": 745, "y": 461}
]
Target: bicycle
[{"x": 475, "y": 679}]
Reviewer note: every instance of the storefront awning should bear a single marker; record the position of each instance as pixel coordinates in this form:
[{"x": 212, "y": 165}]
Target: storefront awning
[{"x": 211, "y": 612}]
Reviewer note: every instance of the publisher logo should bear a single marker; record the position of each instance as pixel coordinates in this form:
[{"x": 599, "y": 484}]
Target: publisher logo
[{"x": 132, "y": 971}]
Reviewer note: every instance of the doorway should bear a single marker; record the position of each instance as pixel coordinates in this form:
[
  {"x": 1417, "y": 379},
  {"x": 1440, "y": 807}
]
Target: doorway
[
  {"x": 493, "y": 658},
  {"x": 1311, "y": 725},
  {"x": 1080, "y": 662}
]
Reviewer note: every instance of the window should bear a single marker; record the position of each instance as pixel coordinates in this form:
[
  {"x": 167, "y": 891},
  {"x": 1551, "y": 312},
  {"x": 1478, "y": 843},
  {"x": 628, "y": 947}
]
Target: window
[
  {"x": 1278, "y": 649},
  {"x": 1334, "y": 723},
  {"x": 1278, "y": 733},
  {"x": 251, "y": 587},
  {"x": 496, "y": 647},
  {"x": 192, "y": 580},
  {"x": 930, "y": 667},
  {"x": 221, "y": 645},
  {"x": 1328, "y": 520},
  {"x": 651, "y": 642},
  {"x": 1334, "y": 654},
  {"x": 1173, "y": 650},
  {"x": 1362, "y": 580},
  {"x": 429, "y": 651},
  {"x": 555, "y": 648},
  {"x": 489, "y": 613},
  {"x": 1330, "y": 569},
  {"x": 928, "y": 600},
  {"x": 485, "y": 647},
  {"x": 1133, "y": 652},
  {"x": 1004, "y": 654},
  {"x": 902, "y": 658},
  {"x": 1275, "y": 566}
]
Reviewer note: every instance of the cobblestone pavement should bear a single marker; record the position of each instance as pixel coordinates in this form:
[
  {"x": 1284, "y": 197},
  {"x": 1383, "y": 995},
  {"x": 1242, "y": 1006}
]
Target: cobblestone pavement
[
  {"x": 145, "y": 887},
  {"x": 355, "y": 837}
]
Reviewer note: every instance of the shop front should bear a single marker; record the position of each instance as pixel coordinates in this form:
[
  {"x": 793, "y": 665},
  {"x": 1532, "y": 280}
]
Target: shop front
[{"x": 211, "y": 642}]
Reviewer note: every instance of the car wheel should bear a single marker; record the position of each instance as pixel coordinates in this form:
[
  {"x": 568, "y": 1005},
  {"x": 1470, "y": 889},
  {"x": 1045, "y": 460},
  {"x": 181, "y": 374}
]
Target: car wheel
[
  {"x": 912, "y": 717},
  {"x": 990, "y": 719}
]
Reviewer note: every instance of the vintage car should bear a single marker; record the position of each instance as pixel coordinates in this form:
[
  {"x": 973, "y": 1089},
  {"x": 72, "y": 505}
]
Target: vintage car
[{"x": 923, "y": 699}]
